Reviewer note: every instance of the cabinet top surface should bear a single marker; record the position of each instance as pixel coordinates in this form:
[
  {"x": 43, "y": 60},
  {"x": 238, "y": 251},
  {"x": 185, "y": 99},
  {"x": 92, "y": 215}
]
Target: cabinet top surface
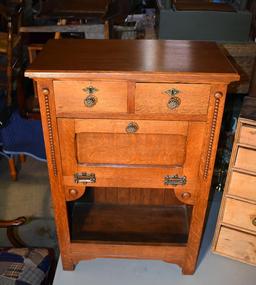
[{"x": 69, "y": 58}]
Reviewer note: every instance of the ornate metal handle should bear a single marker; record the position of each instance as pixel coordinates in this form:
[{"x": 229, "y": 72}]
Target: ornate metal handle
[
  {"x": 84, "y": 177},
  {"x": 254, "y": 221},
  {"x": 172, "y": 92},
  {"x": 132, "y": 128},
  {"x": 175, "y": 180},
  {"x": 90, "y": 90},
  {"x": 174, "y": 103},
  {"x": 90, "y": 101}
]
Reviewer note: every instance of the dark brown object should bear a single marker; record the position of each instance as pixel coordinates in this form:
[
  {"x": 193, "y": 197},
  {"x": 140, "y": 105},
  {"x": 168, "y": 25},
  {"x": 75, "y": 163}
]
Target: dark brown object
[{"x": 118, "y": 146}]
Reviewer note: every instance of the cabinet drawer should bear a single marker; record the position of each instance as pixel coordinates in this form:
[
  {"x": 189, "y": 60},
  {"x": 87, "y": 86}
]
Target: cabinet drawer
[
  {"x": 237, "y": 244},
  {"x": 240, "y": 214},
  {"x": 242, "y": 185},
  {"x": 246, "y": 159},
  {"x": 172, "y": 98},
  {"x": 248, "y": 135},
  {"x": 72, "y": 97}
]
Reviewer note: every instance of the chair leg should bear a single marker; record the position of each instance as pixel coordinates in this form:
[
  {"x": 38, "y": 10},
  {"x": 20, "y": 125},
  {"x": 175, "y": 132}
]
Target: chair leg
[
  {"x": 12, "y": 168},
  {"x": 22, "y": 158}
]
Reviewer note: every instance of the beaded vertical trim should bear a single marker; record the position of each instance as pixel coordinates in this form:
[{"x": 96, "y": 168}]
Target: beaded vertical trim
[
  {"x": 217, "y": 96},
  {"x": 50, "y": 134}
]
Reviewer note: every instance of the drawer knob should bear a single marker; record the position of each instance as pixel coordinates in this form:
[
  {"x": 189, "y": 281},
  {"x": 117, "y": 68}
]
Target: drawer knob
[
  {"x": 254, "y": 221},
  {"x": 90, "y": 101},
  {"x": 73, "y": 192},
  {"x": 174, "y": 103},
  {"x": 172, "y": 92},
  {"x": 132, "y": 128}
]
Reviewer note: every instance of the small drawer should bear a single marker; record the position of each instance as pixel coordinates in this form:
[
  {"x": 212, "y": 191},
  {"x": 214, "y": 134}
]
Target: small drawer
[
  {"x": 190, "y": 99},
  {"x": 237, "y": 245},
  {"x": 246, "y": 159},
  {"x": 90, "y": 96},
  {"x": 240, "y": 214},
  {"x": 248, "y": 135},
  {"x": 242, "y": 185}
]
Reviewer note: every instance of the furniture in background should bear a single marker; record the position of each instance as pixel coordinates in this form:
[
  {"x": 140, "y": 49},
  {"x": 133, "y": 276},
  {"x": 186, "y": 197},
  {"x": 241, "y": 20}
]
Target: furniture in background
[
  {"x": 235, "y": 234},
  {"x": 131, "y": 131},
  {"x": 184, "y": 23},
  {"x": 92, "y": 18},
  {"x": 23, "y": 265},
  {"x": 10, "y": 48}
]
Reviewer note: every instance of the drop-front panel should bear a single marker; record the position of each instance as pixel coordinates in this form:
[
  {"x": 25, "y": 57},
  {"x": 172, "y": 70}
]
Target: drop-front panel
[{"x": 131, "y": 131}]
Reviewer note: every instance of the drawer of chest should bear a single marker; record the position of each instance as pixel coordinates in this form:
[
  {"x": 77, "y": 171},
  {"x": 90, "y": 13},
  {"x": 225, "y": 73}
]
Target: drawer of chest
[
  {"x": 240, "y": 214},
  {"x": 155, "y": 98},
  {"x": 242, "y": 185},
  {"x": 236, "y": 244},
  {"x": 248, "y": 135},
  {"x": 72, "y": 97},
  {"x": 246, "y": 159}
]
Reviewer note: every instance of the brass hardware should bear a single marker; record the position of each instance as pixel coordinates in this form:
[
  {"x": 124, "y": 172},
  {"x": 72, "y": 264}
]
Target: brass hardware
[
  {"x": 173, "y": 103},
  {"x": 185, "y": 195},
  {"x": 172, "y": 92},
  {"x": 254, "y": 221},
  {"x": 46, "y": 91},
  {"x": 90, "y": 90},
  {"x": 73, "y": 192},
  {"x": 90, "y": 101},
  {"x": 132, "y": 128},
  {"x": 175, "y": 180},
  {"x": 84, "y": 177}
]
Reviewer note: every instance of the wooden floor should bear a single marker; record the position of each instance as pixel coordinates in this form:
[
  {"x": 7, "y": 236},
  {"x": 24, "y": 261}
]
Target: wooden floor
[{"x": 129, "y": 224}]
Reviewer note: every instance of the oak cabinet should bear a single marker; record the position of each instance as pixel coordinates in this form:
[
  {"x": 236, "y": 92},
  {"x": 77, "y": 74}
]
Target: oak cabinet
[{"x": 131, "y": 130}]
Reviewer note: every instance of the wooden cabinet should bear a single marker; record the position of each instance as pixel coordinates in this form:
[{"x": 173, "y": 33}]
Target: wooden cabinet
[
  {"x": 235, "y": 234},
  {"x": 131, "y": 130}
]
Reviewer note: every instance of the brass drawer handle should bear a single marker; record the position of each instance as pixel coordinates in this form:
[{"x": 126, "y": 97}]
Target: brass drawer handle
[
  {"x": 254, "y": 221},
  {"x": 84, "y": 177},
  {"x": 175, "y": 180},
  {"x": 174, "y": 103},
  {"x": 90, "y": 90},
  {"x": 90, "y": 101},
  {"x": 132, "y": 128},
  {"x": 172, "y": 92}
]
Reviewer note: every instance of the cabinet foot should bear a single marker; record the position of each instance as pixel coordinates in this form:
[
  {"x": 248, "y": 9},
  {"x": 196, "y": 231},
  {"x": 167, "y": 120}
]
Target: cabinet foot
[
  {"x": 68, "y": 265},
  {"x": 188, "y": 271}
]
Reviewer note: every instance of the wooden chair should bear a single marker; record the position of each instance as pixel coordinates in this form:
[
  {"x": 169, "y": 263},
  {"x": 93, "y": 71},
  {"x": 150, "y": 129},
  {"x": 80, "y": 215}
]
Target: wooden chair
[
  {"x": 39, "y": 269},
  {"x": 10, "y": 47}
]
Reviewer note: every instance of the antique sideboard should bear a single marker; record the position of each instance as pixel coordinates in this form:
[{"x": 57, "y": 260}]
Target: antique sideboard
[{"x": 131, "y": 130}]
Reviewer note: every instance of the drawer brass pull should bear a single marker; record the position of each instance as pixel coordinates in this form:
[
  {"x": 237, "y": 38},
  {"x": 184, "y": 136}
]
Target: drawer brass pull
[
  {"x": 172, "y": 92},
  {"x": 73, "y": 192},
  {"x": 132, "y": 128},
  {"x": 90, "y": 90},
  {"x": 175, "y": 180},
  {"x": 254, "y": 221},
  {"x": 84, "y": 177},
  {"x": 174, "y": 103},
  {"x": 90, "y": 101}
]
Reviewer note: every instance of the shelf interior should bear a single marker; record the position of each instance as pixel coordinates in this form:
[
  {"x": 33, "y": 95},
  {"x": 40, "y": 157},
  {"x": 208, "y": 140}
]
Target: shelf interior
[{"x": 126, "y": 223}]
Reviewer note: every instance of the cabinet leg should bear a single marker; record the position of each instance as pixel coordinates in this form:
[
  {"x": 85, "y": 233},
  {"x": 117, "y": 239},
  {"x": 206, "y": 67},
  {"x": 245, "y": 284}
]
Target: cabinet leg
[
  {"x": 188, "y": 270},
  {"x": 68, "y": 264},
  {"x": 12, "y": 169}
]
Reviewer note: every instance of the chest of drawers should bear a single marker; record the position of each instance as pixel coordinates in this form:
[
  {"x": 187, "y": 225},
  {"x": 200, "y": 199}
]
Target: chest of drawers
[
  {"x": 235, "y": 235},
  {"x": 131, "y": 130}
]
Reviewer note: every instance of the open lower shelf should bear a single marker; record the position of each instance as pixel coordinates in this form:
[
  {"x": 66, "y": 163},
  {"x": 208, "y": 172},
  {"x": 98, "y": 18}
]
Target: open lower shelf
[{"x": 104, "y": 223}]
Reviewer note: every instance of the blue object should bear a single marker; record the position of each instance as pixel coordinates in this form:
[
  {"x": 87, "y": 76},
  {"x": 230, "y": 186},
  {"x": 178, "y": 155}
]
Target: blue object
[{"x": 23, "y": 136}]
